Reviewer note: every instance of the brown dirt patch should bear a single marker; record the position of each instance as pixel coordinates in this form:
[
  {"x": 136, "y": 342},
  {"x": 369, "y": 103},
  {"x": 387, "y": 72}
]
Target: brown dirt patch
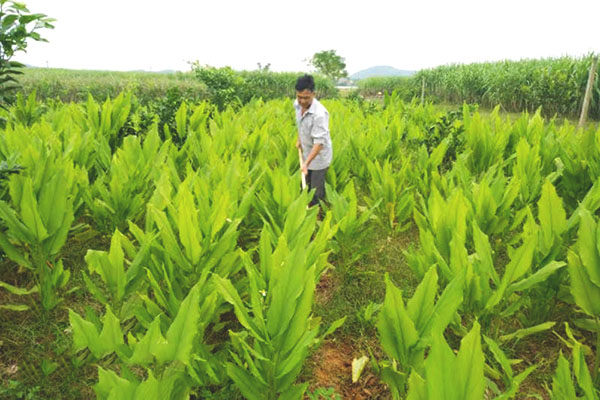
[
  {"x": 333, "y": 369},
  {"x": 325, "y": 288}
]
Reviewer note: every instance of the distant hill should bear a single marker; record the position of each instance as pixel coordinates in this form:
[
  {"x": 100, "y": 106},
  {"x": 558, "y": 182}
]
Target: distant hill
[{"x": 380, "y": 70}]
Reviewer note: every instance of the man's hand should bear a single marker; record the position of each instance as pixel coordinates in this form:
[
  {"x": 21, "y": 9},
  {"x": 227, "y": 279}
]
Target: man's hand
[
  {"x": 298, "y": 145},
  {"x": 304, "y": 169}
]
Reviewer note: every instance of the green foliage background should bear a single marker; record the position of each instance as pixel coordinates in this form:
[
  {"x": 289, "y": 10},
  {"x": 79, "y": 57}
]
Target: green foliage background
[{"x": 556, "y": 85}]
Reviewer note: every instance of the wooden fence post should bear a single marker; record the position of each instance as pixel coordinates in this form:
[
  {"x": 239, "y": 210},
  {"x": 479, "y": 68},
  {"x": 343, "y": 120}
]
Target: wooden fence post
[{"x": 588, "y": 92}]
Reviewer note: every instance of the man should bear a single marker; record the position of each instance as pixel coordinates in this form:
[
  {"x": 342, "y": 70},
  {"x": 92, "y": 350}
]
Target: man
[{"x": 312, "y": 119}]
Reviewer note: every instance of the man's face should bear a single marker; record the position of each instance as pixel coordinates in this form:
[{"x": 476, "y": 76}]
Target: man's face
[{"x": 305, "y": 98}]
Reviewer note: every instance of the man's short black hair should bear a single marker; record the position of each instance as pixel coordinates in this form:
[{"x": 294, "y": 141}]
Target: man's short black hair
[{"x": 305, "y": 82}]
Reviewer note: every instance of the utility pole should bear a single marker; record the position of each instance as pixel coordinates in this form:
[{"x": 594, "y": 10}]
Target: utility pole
[{"x": 588, "y": 92}]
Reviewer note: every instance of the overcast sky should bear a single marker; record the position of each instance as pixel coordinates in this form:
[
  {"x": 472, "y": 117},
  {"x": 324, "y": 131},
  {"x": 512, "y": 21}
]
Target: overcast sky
[{"x": 156, "y": 35}]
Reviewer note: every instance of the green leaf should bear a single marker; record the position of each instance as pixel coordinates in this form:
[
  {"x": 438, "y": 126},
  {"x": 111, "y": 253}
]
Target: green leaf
[
  {"x": 152, "y": 343},
  {"x": 111, "y": 386},
  {"x": 539, "y": 276},
  {"x": 30, "y": 213},
  {"x": 552, "y": 215},
  {"x": 14, "y": 307},
  {"x": 231, "y": 295},
  {"x": 420, "y": 307},
  {"x": 295, "y": 392},
  {"x": 286, "y": 292},
  {"x": 518, "y": 266},
  {"x": 417, "y": 387},
  {"x": 469, "y": 367},
  {"x": 397, "y": 331},
  {"x": 521, "y": 333},
  {"x": 298, "y": 325},
  {"x": 588, "y": 324},
  {"x": 85, "y": 334},
  {"x": 562, "y": 384},
  {"x": 440, "y": 370},
  {"x": 484, "y": 252},
  {"x": 150, "y": 389},
  {"x": 585, "y": 292},
  {"x": 334, "y": 326},
  {"x": 17, "y": 290},
  {"x": 499, "y": 356},
  {"x": 183, "y": 330},
  {"x": 582, "y": 373},
  {"x": 587, "y": 246},
  {"x": 16, "y": 228},
  {"x": 187, "y": 222},
  {"x": 12, "y": 252},
  {"x": 250, "y": 388},
  {"x": 446, "y": 306},
  {"x": 111, "y": 336}
]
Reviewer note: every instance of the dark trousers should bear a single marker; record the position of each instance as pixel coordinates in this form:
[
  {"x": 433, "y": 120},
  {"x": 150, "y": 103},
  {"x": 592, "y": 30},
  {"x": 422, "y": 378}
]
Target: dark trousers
[{"x": 315, "y": 179}]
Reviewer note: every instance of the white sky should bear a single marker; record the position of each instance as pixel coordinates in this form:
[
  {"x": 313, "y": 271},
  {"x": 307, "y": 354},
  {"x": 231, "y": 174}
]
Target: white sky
[{"x": 155, "y": 35}]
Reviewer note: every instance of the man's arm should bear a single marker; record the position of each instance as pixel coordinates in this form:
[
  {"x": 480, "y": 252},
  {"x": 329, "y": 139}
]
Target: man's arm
[{"x": 313, "y": 153}]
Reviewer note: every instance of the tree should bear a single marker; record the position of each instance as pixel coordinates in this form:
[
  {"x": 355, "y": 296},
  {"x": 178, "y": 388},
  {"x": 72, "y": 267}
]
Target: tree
[
  {"x": 328, "y": 63},
  {"x": 17, "y": 26}
]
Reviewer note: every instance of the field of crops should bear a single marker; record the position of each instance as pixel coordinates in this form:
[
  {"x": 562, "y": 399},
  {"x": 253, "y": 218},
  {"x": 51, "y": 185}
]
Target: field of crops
[
  {"x": 556, "y": 85},
  {"x": 200, "y": 83},
  {"x": 184, "y": 263}
]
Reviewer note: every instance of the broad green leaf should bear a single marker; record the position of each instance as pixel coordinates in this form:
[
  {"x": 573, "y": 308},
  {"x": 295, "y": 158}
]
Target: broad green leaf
[
  {"x": 16, "y": 227},
  {"x": 420, "y": 306},
  {"x": 417, "y": 387},
  {"x": 484, "y": 252},
  {"x": 298, "y": 324},
  {"x": 85, "y": 335},
  {"x": 53, "y": 202},
  {"x": 446, "y": 306},
  {"x": 587, "y": 246},
  {"x": 13, "y": 253},
  {"x": 183, "y": 330},
  {"x": 250, "y": 388},
  {"x": 30, "y": 212},
  {"x": 562, "y": 384},
  {"x": 552, "y": 215},
  {"x": 285, "y": 293},
  {"x": 539, "y": 276},
  {"x": 440, "y": 370},
  {"x": 150, "y": 389},
  {"x": 111, "y": 336},
  {"x": 585, "y": 292},
  {"x": 469, "y": 367},
  {"x": 152, "y": 343},
  {"x": 231, "y": 295},
  {"x": 518, "y": 266},
  {"x": 588, "y": 324},
  {"x": 187, "y": 221},
  {"x": 580, "y": 369},
  {"x": 109, "y": 382},
  {"x": 295, "y": 392},
  {"x": 397, "y": 331}
]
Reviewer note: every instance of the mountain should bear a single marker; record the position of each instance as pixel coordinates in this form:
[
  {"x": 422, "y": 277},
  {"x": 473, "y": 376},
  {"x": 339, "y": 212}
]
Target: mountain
[{"x": 380, "y": 70}]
